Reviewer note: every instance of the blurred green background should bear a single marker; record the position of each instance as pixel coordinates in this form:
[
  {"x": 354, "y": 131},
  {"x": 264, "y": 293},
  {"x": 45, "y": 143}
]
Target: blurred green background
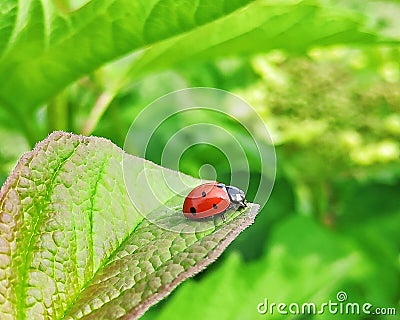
[{"x": 331, "y": 100}]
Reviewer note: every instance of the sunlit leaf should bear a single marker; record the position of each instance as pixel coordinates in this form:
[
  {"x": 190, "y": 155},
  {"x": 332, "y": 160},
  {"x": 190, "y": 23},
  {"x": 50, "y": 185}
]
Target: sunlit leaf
[{"x": 44, "y": 48}]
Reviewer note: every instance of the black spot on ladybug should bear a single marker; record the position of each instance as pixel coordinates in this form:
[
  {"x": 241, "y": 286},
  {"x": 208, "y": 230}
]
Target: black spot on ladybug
[
  {"x": 220, "y": 185},
  {"x": 203, "y": 194},
  {"x": 215, "y": 206},
  {"x": 193, "y": 210}
]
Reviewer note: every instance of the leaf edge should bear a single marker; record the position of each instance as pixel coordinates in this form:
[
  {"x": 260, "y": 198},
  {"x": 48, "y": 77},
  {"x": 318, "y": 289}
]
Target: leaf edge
[{"x": 138, "y": 311}]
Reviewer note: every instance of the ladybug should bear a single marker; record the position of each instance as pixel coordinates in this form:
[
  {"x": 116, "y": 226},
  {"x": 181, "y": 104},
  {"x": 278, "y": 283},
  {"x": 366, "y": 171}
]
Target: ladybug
[{"x": 210, "y": 199}]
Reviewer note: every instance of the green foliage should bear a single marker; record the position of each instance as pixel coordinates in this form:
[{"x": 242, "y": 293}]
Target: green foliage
[
  {"x": 324, "y": 76},
  {"x": 74, "y": 245},
  {"x": 278, "y": 25},
  {"x": 52, "y": 40},
  {"x": 40, "y": 55}
]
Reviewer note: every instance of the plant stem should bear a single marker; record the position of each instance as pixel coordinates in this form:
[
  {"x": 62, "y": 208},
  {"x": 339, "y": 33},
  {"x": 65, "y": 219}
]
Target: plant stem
[
  {"x": 57, "y": 113},
  {"x": 101, "y": 105}
]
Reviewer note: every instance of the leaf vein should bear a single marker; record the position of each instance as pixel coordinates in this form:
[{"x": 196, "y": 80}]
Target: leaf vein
[
  {"x": 144, "y": 278},
  {"x": 28, "y": 249}
]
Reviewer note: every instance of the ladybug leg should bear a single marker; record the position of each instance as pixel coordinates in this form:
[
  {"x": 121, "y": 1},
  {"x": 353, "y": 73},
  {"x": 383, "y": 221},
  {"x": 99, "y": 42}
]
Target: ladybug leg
[{"x": 223, "y": 216}]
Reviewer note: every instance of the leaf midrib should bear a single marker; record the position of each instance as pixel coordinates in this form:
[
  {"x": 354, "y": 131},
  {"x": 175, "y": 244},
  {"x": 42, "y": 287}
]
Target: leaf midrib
[
  {"x": 101, "y": 267},
  {"x": 185, "y": 249},
  {"x": 182, "y": 36},
  {"x": 107, "y": 261},
  {"x": 92, "y": 199},
  {"x": 148, "y": 274}
]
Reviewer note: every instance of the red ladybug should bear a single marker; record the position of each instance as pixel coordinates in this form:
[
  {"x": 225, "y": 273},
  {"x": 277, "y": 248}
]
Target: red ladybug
[{"x": 210, "y": 199}]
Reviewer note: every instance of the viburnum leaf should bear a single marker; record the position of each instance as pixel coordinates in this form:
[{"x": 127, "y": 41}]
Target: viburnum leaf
[
  {"x": 261, "y": 26},
  {"x": 73, "y": 245},
  {"x": 43, "y": 48}
]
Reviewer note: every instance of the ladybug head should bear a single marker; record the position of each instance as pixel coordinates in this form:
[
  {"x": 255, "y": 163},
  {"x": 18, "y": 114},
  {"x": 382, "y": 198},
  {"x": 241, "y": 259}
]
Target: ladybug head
[{"x": 236, "y": 195}]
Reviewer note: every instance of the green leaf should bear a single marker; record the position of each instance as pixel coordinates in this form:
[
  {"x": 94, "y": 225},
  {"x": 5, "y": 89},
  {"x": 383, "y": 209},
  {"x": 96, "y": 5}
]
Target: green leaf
[
  {"x": 43, "y": 49},
  {"x": 74, "y": 246},
  {"x": 261, "y": 26},
  {"x": 294, "y": 26}
]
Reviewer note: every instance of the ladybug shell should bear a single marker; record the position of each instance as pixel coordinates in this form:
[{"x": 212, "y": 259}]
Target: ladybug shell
[{"x": 206, "y": 200}]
